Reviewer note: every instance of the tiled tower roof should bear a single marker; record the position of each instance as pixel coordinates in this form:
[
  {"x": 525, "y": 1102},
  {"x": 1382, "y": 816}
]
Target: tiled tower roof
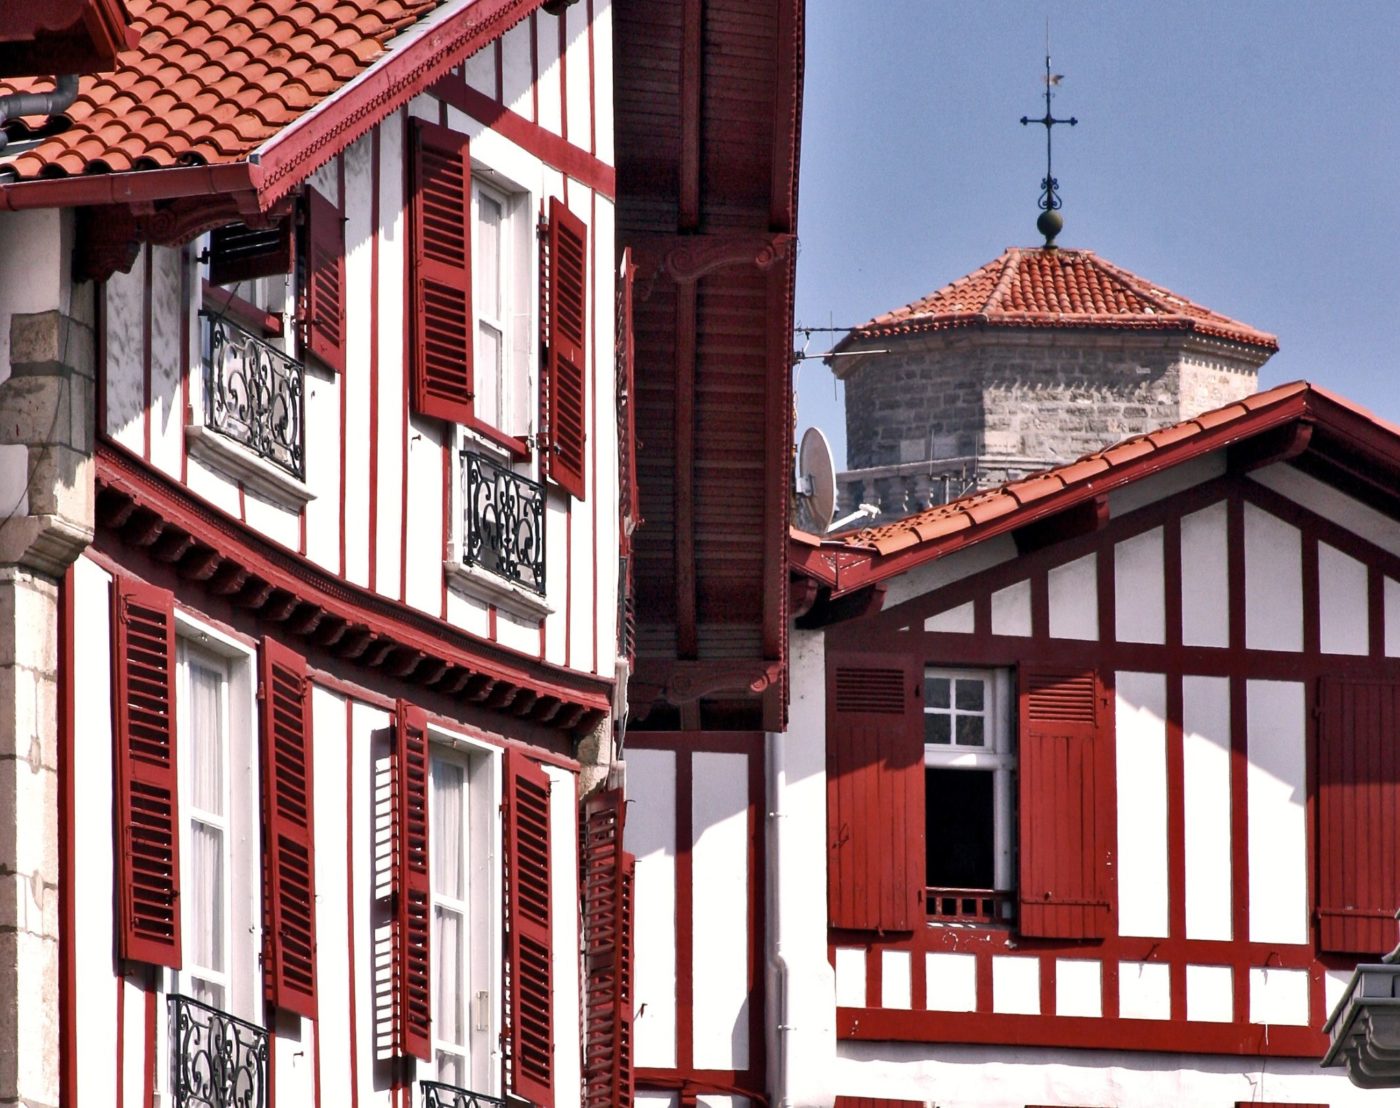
[{"x": 1038, "y": 287}]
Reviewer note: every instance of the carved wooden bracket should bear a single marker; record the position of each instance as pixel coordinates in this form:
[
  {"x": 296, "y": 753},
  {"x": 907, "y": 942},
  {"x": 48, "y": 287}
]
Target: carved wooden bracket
[
  {"x": 686, "y": 258},
  {"x": 682, "y": 682}
]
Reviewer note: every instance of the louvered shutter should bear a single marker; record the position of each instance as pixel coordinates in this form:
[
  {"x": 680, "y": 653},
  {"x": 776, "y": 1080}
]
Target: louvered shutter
[
  {"x": 289, "y": 859},
  {"x": 564, "y": 397},
  {"x": 148, "y": 832},
  {"x": 875, "y": 792},
  {"x": 412, "y": 899},
  {"x": 241, "y": 253},
  {"x": 1064, "y": 833},
  {"x": 442, "y": 297},
  {"x": 324, "y": 304},
  {"x": 528, "y": 938},
  {"x": 1358, "y": 805},
  {"x": 875, "y": 1102},
  {"x": 607, "y": 936}
]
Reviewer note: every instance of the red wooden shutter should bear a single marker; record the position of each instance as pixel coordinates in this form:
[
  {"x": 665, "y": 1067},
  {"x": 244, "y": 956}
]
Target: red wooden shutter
[
  {"x": 324, "y": 304},
  {"x": 564, "y": 399},
  {"x": 442, "y": 288},
  {"x": 241, "y": 253},
  {"x": 875, "y": 792},
  {"x": 529, "y": 935},
  {"x": 148, "y": 813},
  {"x": 1064, "y": 839},
  {"x": 607, "y": 945},
  {"x": 875, "y": 1102},
  {"x": 289, "y": 858},
  {"x": 1358, "y": 798},
  {"x": 413, "y": 1000}
]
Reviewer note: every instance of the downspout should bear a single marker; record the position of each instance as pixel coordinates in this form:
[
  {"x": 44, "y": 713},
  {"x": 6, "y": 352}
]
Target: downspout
[
  {"x": 47, "y": 104},
  {"x": 779, "y": 969}
]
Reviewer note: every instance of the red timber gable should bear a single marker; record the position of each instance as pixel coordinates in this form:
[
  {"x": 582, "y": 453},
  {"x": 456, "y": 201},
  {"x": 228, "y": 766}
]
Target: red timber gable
[{"x": 1173, "y": 666}]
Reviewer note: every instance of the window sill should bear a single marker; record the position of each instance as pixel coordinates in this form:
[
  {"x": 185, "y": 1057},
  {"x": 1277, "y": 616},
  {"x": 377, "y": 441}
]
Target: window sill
[
  {"x": 259, "y": 476},
  {"x": 484, "y": 585}
]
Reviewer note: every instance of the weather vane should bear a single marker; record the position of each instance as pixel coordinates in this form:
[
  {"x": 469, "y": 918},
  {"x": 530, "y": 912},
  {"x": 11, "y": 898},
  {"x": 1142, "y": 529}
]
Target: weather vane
[{"x": 1050, "y": 222}]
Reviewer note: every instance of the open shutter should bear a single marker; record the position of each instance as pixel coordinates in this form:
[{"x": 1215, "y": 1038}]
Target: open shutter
[
  {"x": 289, "y": 960},
  {"x": 1064, "y": 840},
  {"x": 442, "y": 297},
  {"x": 876, "y": 1102},
  {"x": 412, "y": 925},
  {"x": 1358, "y": 796},
  {"x": 528, "y": 938},
  {"x": 607, "y": 936},
  {"x": 241, "y": 253},
  {"x": 565, "y": 286},
  {"x": 324, "y": 305},
  {"x": 875, "y": 792},
  {"x": 148, "y": 832}
]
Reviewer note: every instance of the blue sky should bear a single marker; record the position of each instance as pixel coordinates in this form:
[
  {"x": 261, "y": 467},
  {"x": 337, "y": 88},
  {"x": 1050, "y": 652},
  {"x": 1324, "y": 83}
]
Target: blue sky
[{"x": 1245, "y": 155}]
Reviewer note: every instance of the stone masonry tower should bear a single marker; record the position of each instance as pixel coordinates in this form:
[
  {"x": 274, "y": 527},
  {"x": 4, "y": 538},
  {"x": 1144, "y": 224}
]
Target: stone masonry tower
[{"x": 1037, "y": 358}]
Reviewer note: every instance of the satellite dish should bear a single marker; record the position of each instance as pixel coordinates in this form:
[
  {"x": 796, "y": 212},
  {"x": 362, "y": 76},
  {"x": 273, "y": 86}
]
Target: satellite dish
[{"x": 816, "y": 482}]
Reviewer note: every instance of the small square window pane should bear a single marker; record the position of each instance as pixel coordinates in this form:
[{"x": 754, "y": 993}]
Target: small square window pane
[
  {"x": 970, "y": 695},
  {"x": 937, "y": 729},
  {"x": 936, "y": 692},
  {"x": 972, "y": 731}
]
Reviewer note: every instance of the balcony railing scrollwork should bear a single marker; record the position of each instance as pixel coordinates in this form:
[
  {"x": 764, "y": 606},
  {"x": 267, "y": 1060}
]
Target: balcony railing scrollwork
[
  {"x": 438, "y": 1095},
  {"x": 254, "y": 394},
  {"x": 504, "y": 523},
  {"x": 217, "y": 1061}
]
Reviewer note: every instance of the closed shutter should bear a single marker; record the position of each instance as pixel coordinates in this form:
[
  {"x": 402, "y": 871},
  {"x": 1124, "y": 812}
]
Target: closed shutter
[
  {"x": 289, "y": 964},
  {"x": 876, "y": 1102},
  {"x": 1064, "y": 840},
  {"x": 412, "y": 924},
  {"x": 607, "y": 936},
  {"x": 528, "y": 937},
  {"x": 241, "y": 253},
  {"x": 875, "y": 792},
  {"x": 442, "y": 297},
  {"x": 564, "y": 400},
  {"x": 324, "y": 305},
  {"x": 147, "y": 809},
  {"x": 1358, "y": 806}
]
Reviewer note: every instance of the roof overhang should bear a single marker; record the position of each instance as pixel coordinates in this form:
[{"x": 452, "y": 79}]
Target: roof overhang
[
  {"x": 1308, "y": 427},
  {"x": 62, "y": 36}
]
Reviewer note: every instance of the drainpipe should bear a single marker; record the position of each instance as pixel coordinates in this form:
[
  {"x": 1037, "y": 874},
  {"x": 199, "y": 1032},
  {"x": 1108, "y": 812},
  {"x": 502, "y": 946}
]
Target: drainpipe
[
  {"x": 779, "y": 970},
  {"x": 47, "y": 104}
]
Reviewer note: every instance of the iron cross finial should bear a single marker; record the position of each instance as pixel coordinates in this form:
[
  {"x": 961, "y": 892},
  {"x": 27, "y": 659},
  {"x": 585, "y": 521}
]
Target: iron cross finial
[{"x": 1050, "y": 221}]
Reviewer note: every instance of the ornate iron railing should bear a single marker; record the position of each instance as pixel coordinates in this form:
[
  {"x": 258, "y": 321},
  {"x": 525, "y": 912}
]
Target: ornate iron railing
[
  {"x": 438, "y": 1095},
  {"x": 504, "y": 522},
  {"x": 254, "y": 394},
  {"x": 217, "y": 1061}
]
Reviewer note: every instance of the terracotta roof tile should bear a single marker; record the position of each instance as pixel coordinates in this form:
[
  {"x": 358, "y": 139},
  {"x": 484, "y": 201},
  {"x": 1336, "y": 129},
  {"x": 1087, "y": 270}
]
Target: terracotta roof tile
[
  {"x": 980, "y": 508},
  {"x": 239, "y": 71},
  {"x": 1036, "y": 287}
]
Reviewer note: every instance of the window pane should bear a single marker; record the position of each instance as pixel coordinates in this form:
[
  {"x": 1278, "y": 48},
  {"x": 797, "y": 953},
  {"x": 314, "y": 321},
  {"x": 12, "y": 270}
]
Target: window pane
[
  {"x": 448, "y": 986},
  {"x": 449, "y": 877},
  {"x": 937, "y": 729},
  {"x": 206, "y": 745},
  {"x": 972, "y": 730},
  {"x": 936, "y": 692},
  {"x": 970, "y": 695},
  {"x": 490, "y": 350},
  {"x": 452, "y": 1069},
  {"x": 207, "y": 896},
  {"x": 960, "y": 826},
  {"x": 207, "y": 993},
  {"x": 488, "y": 256}
]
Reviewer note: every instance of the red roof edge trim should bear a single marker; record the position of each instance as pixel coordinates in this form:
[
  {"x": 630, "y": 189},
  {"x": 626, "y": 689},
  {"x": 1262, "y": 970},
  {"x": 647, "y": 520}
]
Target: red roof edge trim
[
  {"x": 402, "y": 74},
  {"x": 134, "y": 187}
]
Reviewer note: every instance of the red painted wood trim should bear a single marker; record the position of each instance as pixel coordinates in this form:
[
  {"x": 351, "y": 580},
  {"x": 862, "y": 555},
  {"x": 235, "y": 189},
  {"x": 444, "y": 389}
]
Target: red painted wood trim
[
  {"x": 591, "y": 360},
  {"x": 448, "y": 463},
  {"x": 372, "y": 531},
  {"x": 498, "y": 49},
  {"x": 341, "y": 386},
  {"x": 67, "y": 837},
  {"x": 787, "y": 102},
  {"x": 684, "y": 431},
  {"x": 1239, "y": 748},
  {"x": 685, "y": 912},
  {"x": 147, "y": 276},
  {"x": 777, "y": 418},
  {"x": 239, "y": 179},
  {"x": 148, "y": 1063},
  {"x": 1176, "y": 835},
  {"x": 243, "y": 312},
  {"x": 692, "y": 80},
  {"x": 118, "y": 1082}
]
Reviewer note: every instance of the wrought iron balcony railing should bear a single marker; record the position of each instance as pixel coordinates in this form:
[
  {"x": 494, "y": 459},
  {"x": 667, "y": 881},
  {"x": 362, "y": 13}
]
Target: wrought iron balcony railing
[
  {"x": 438, "y": 1095},
  {"x": 504, "y": 524},
  {"x": 217, "y": 1061},
  {"x": 254, "y": 394}
]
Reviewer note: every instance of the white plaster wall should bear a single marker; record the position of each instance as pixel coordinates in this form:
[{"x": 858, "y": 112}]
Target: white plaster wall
[
  {"x": 423, "y": 550},
  {"x": 1278, "y": 996},
  {"x": 1144, "y": 991},
  {"x": 392, "y": 395},
  {"x": 1210, "y": 994},
  {"x": 329, "y": 716},
  {"x": 1177, "y": 479},
  {"x": 577, "y": 63},
  {"x": 603, "y": 506},
  {"x": 1391, "y": 603},
  {"x": 563, "y": 879},
  {"x": 124, "y": 344},
  {"x": 959, "y": 619},
  {"x": 1273, "y": 582},
  {"x": 1344, "y": 607},
  {"x": 515, "y": 70},
  {"x": 603, "y": 80},
  {"x": 167, "y": 397},
  {"x": 1011, "y": 609},
  {"x": 1332, "y": 504},
  {"x": 1016, "y": 985},
  {"x": 1139, "y": 612},
  {"x": 950, "y": 982},
  {"x": 367, "y": 750},
  {"x": 850, "y": 977},
  {"x": 32, "y": 243},
  {"x": 1074, "y": 599},
  {"x": 1078, "y": 987},
  {"x": 272, "y": 520},
  {"x": 1278, "y": 893},
  {"x": 359, "y": 250},
  {"x": 896, "y": 980},
  {"x": 1205, "y": 582},
  {"x": 931, "y": 576},
  {"x": 651, "y": 836},
  {"x": 323, "y": 443},
  {"x": 1012, "y": 1076},
  {"x": 479, "y": 71},
  {"x": 719, "y": 926},
  {"x": 550, "y": 90},
  {"x": 1141, "y": 747},
  {"x": 1205, "y": 741}
]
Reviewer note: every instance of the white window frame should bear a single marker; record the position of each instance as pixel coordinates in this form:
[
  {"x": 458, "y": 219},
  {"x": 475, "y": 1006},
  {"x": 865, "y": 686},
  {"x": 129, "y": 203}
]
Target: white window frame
[
  {"x": 999, "y": 756},
  {"x": 515, "y": 415},
  {"x": 480, "y": 1007},
  {"x": 243, "y": 857}
]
